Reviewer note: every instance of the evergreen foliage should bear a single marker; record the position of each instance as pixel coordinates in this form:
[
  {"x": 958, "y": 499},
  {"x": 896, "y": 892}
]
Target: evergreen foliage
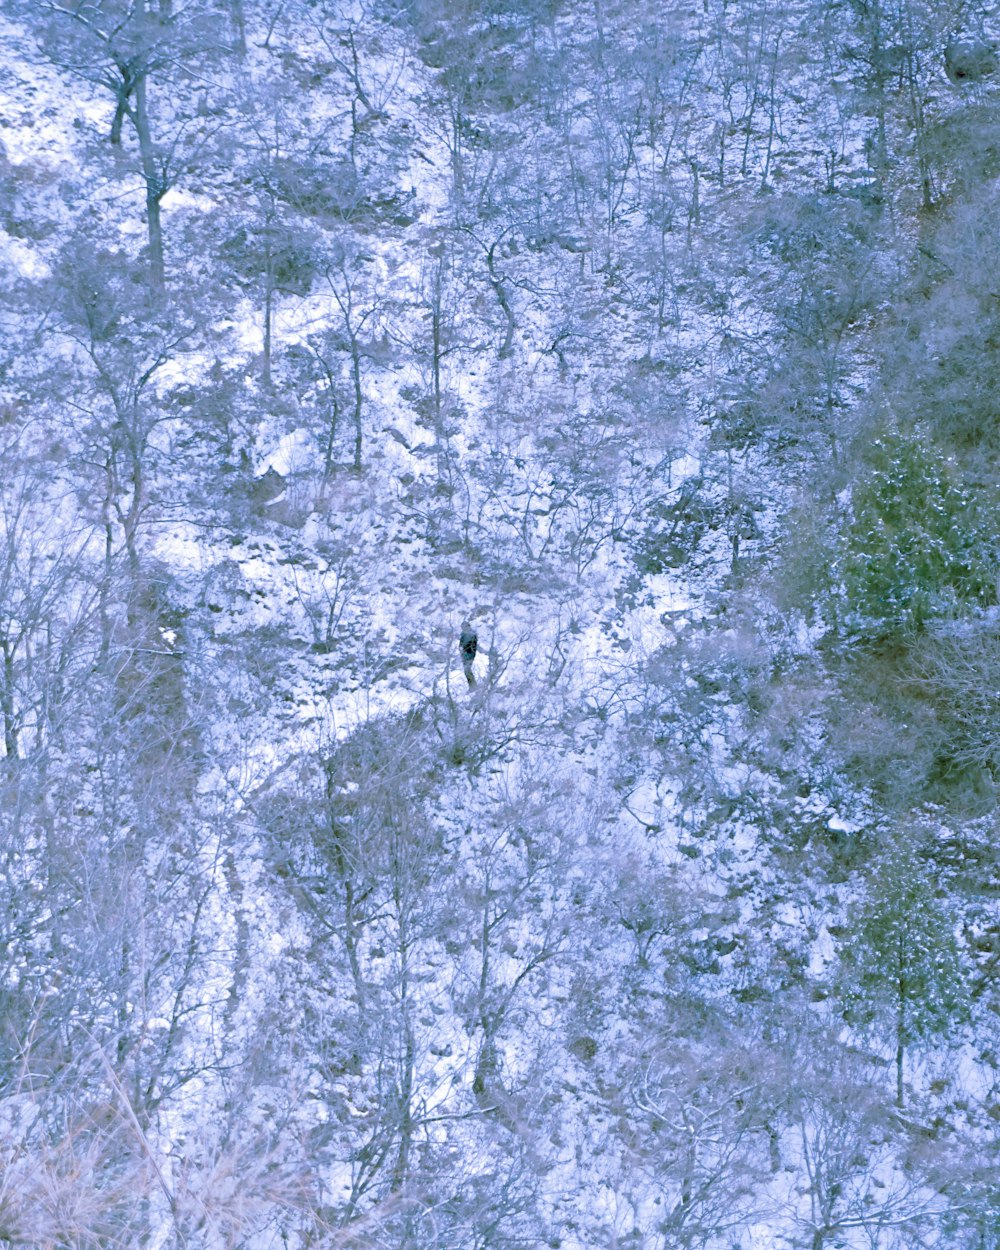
[
  {"x": 918, "y": 544},
  {"x": 900, "y": 976}
]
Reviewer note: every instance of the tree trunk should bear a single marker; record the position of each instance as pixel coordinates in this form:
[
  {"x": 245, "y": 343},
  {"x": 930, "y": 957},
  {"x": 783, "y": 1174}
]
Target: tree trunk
[
  {"x": 239, "y": 27},
  {"x": 343, "y": 867},
  {"x": 496, "y": 282},
  {"x": 914, "y": 89},
  {"x": 130, "y": 518},
  {"x": 401, "y": 1166},
  {"x": 331, "y": 429},
  {"x": 900, "y": 1021},
  {"x": 442, "y": 449},
  {"x": 121, "y": 108},
  {"x": 877, "y": 58},
  {"x": 104, "y": 608},
  {"x": 124, "y": 94},
  {"x": 268, "y": 316},
  {"x": 7, "y": 701},
  {"x": 358, "y": 400},
  {"x": 155, "y": 189}
]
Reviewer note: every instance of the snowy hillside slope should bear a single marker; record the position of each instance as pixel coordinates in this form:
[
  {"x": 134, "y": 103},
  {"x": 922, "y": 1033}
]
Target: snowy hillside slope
[{"x": 655, "y": 343}]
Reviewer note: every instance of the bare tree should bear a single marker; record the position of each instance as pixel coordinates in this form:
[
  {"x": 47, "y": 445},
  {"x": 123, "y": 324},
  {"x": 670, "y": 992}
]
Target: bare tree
[
  {"x": 851, "y": 1150},
  {"x": 124, "y": 46},
  {"x": 352, "y": 278},
  {"x": 124, "y": 343}
]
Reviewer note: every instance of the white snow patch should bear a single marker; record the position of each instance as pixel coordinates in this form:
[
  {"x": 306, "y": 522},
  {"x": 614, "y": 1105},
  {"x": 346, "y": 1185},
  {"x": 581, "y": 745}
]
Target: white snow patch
[
  {"x": 176, "y": 198},
  {"x": 182, "y": 547},
  {"x": 669, "y": 597},
  {"x": 295, "y": 451},
  {"x": 684, "y": 467},
  {"x": 18, "y": 257}
]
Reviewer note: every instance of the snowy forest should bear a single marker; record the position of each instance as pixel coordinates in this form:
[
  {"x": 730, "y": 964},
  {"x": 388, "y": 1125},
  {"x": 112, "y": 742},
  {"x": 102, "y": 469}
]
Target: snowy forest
[{"x": 499, "y": 624}]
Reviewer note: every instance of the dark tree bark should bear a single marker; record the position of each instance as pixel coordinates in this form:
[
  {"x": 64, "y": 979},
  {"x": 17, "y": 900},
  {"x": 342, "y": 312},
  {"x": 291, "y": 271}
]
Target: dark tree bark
[{"x": 156, "y": 184}]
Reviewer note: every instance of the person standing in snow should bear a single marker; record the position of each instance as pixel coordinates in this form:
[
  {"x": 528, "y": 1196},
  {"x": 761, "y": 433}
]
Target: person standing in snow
[{"x": 468, "y": 642}]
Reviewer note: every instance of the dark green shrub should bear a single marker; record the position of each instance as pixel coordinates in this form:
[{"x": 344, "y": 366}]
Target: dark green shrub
[{"x": 917, "y": 545}]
